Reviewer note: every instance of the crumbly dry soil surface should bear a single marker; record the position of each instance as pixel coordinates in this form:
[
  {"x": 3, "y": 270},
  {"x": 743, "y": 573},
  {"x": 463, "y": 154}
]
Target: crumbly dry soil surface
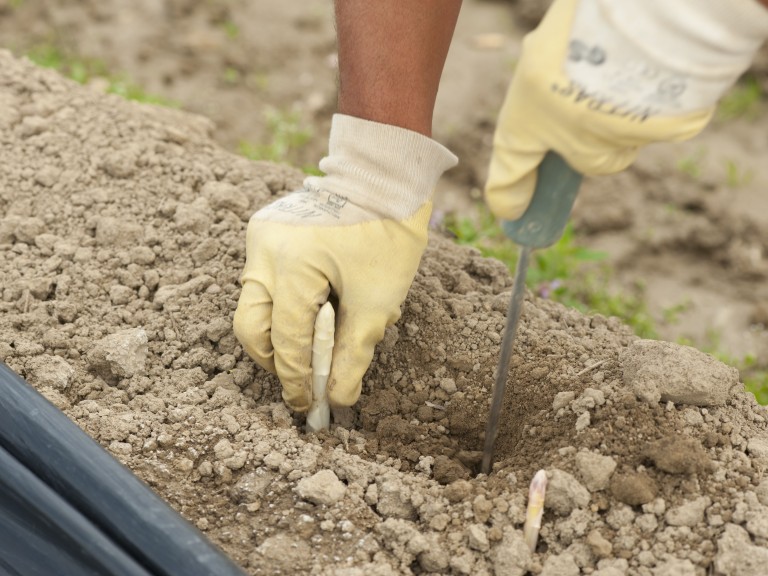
[{"x": 121, "y": 242}]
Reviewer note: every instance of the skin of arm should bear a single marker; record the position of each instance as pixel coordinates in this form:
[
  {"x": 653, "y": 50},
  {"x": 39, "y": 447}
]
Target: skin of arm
[{"x": 391, "y": 57}]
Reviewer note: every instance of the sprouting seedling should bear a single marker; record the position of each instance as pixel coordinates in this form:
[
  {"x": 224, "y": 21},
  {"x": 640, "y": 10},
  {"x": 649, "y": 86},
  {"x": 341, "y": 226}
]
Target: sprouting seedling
[
  {"x": 319, "y": 415},
  {"x": 535, "y": 510}
]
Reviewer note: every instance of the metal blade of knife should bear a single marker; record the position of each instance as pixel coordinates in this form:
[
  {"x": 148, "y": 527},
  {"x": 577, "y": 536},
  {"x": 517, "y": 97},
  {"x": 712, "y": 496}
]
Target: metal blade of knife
[{"x": 542, "y": 224}]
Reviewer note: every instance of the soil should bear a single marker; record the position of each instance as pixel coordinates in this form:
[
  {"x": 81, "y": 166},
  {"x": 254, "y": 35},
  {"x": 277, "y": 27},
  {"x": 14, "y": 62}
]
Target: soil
[{"x": 121, "y": 243}]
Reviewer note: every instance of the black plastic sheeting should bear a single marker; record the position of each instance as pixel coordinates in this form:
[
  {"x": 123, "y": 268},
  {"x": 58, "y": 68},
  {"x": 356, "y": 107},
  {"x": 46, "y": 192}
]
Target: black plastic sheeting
[{"x": 68, "y": 508}]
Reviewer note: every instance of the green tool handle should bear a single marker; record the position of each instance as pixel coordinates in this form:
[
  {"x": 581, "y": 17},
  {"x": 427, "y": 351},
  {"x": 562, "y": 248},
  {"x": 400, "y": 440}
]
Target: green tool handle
[{"x": 544, "y": 220}]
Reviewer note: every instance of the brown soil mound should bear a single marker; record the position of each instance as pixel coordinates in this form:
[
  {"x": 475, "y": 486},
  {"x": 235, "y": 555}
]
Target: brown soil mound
[{"x": 121, "y": 243}]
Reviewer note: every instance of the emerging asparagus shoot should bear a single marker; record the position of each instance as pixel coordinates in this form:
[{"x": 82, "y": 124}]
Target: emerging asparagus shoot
[
  {"x": 319, "y": 415},
  {"x": 535, "y": 510}
]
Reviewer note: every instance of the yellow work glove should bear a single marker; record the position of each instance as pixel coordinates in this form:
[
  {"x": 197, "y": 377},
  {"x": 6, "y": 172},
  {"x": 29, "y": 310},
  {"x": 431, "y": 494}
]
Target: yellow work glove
[
  {"x": 359, "y": 231},
  {"x": 599, "y": 79}
]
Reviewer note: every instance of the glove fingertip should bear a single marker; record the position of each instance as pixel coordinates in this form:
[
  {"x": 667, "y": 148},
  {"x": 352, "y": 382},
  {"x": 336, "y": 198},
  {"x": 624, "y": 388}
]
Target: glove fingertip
[
  {"x": 350, "y": 364},
  {"x": 297, "y": 396},
  {"x": 509, "y": 200}
]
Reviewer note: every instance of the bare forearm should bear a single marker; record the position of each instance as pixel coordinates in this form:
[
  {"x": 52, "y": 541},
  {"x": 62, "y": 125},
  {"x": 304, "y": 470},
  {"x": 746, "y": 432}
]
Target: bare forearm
[{"x": 391, "y": 57}]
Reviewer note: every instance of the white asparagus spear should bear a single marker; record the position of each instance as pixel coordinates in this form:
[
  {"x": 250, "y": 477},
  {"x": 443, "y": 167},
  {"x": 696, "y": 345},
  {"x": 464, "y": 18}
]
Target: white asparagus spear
[
  {"x": 319, "y": 415},
  {"x": 535, "y": 510}
]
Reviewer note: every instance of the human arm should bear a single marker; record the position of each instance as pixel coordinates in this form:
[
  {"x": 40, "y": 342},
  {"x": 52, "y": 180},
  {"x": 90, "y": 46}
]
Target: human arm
[
  {"x": 600, "y": 79},
  {"x": 360, "y": 230}
]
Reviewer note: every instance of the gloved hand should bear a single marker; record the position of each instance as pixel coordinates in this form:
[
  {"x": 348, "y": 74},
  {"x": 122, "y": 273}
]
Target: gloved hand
[
  {"x": 360, "y": 231},
  {"x": 599, "y": 79}
]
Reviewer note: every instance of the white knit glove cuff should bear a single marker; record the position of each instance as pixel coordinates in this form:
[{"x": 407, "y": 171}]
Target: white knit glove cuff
[
  {"x": 383, "y": 169},
  {"x": 656, "y": 57}
]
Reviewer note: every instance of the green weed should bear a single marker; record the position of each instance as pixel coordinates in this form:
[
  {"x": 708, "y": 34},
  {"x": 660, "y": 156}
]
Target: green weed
[
  {"x": 691, "y": 165},
  {"x": 736, "y": 177},
  {"x": 286, "y": 134},
  {"x": 672, "y": 314},
  {"x": 742, "y": 101},
  {"x": 231, "y": 75},
  {"x": 231, "y": 29},
  {"x": 83, "y": 70}
]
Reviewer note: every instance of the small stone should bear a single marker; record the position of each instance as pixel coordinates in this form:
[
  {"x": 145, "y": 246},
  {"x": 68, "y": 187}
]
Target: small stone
[
  {"x": 120, "y": 355},
  {"x": 511, "y": 557},
  {"x": 236, "y": 461},
  {"x": 762, "y": 491},
  {"x": 679, "y": 455},
  {"x": 274, "y": 460},
  {"x": 284, "y": 554},
  {"x": 482, "y": 508},
  {"x": 564, "y": 493},
  {"x": 620, "y": 515},
  {"x": 477, "y": 538},
  {"x": 657, "y": 507},
  {"x": 612, "y": 567},
  {"x": 665, "y": 371},
  {"x": 600, "y": 547},
  {"x": 758, "y": 447},
  {"x": 588, "y": 400},
  {"x": 675, "y": 567},
  {"x": 448, "y": 385},
  {"x": 183, "y": 465},
  {"x": 560, "y": 565},
  {"x": 205, "y": 469},
  {"x": 120, "y": 295},
  {"x": 689, "y": 513},
  {"x": 647, "y": 523},
  {"x": 222, "y": 195},
  {"x": 463, "y": 563},
  {"x": 737, "y": 556},
  {"x": 252, "y": 486},
  {"x": 223, "y": 449},
  {"x": 595, "y": 470},
  {"x": 194, "y": 217},
  {"x": 323, "y": 488},
  {"x": 217, "y": 329},
  {"x": 434, "y": 559},
  {"x": 457, "y": 491},
  {"x": 633, "y": 488},
  {"x": 53, "y": 371},
  {"x": 447, "y": 470},
  {"x": 562, "y": 399},
  {"x": 757, "y": 525},
  {"x": 394, "y": 499}
]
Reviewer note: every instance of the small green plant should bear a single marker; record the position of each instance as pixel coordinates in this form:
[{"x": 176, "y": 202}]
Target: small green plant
[
  {"x": 84, "y": 70},
  {"x": 671, "y": 315},
  {"x": 691, "y": 165},
  {"x": 286, "y": 134},
  {"x": 231, "y": 29},
  {"x": 231, "y": 75},
  {"x": 735, "y": 177},
  {"x": 742, "y": 101}
]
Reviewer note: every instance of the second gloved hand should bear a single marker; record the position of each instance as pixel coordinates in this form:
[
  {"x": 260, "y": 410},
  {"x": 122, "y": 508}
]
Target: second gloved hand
[
  {"x": 599, "y": 79},
  {"x": 360, "y": 231}
]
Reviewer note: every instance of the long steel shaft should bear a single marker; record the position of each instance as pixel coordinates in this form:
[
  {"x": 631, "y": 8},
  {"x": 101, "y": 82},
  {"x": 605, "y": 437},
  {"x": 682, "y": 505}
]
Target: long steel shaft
[{"x": 510, "y": 331}]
